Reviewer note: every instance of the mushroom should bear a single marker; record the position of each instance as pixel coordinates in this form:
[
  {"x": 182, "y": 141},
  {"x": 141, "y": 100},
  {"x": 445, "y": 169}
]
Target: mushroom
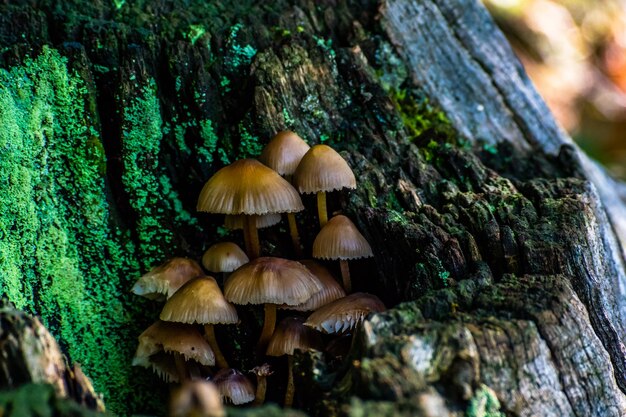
[
  {"x": 224, "y": 257},
  {"x": 233, "y": 386},
  {"x": 322, "y": 170},
  {"x": 196, "y": 399},
  {"x": 261, "y": 372},
  {"x": 292, "y": 334},
  {"x": 249, "y": 188},
  {"x": 340, "y": 239},
  {"x": 161, "y": 363},
  {"x": 344, "y": 314},
  {"x": 331, "y": 290},
  {"x": 183, "y": 341},
  {"x": 283, "y": 154},
  {"x": 271, "y": 281},
  {"x": 201, "y": 301},
  {"x": 163, "y": 281},
  {"x": 236, "y": 222}
]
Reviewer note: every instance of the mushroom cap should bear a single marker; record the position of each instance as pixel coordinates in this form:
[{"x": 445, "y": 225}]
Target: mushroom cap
[
  {"x": 345, "y": 313},
  {"x": 174, "y": 338},
  {"x": 224, "y": 257},
  {"x": 235, "y": 222},
  {"x": 199, "y": 301},
  {"x": 331, "y": 290},
  {"x": 234, "y": 386},
  {"x": 163, "y": 365},
  {"x": 196, "y": 398},
  {"x": 269, "y": 280},
  {"x": 292, "y": 334},
  {"x": 340, "y": 239},
  {"x": 284, "y": 152},
  {"x": 248, "y": 187},
  {"x": 323, "y": 169},
  {"x": 162, "y": 281}
]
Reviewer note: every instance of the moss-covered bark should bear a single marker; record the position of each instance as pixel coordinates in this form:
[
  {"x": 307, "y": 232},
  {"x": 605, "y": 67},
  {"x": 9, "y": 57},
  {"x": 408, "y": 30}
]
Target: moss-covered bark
[{"x": 113, "y": 114}]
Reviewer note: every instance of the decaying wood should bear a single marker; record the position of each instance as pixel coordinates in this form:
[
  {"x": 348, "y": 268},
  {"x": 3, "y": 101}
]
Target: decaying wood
[{"x": 499, "y": 247}]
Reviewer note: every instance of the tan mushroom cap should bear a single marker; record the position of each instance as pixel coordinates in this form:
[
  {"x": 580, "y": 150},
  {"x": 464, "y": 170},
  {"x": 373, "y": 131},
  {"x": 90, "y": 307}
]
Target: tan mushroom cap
[
  {"x": 163, "y": 281},
  {"x": 224, "y": 257},
  {"x": 345, "y": 313},
  {"x": 196, "y": 398},
  {"x": 323, "y": 169},
  {"x": 269, "y": 280},
  {"x": 233, "y": 386},
  {"x": 235, "y": 222},
  {"x": 292, "y": 334},
  {"x": 340, "y": 239},
  {"x": 174, "y": 338},
  {"x": 199, "y": 301},
  {"x": 248, "y": 187},
  {"x": 162, "y": 364},
  {"x": 284, "y": 152},
  {"x": 331, "y": 290}
]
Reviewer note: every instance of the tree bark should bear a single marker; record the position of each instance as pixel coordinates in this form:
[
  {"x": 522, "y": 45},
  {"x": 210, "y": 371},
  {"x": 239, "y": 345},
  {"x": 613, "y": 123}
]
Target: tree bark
[{"x": 499, "y": 246}]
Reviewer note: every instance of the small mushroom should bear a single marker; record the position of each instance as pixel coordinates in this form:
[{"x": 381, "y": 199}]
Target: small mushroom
[
  {"x": 322, "y": 170},
  {"x": 261, "y": 372},
  {"x": 331, "y": 290},
  {"x": 201, "y": 301},
  {"x": 163, "y": 281},
  {"x": 340, "y": 239},
  {"x": 283, "y": 154},
  {"x": 161, "y": 363},
  {"x": 290, "y": 335},
  {"x": 224, "y": 257},
  {"x": 271, "y": 281},
  {"x": 196, "y": 399},
  {"x": 234, "y": 386},
  {"x": 247, "y": 187},
  {"x": 344, "y": 314}
]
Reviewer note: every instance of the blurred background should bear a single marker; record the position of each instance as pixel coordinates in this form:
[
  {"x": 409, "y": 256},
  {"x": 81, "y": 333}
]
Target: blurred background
[{"x": 575, "y": 53}]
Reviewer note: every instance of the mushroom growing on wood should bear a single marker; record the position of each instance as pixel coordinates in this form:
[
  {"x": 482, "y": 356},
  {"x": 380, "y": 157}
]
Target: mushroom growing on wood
[
  {"x": 247, "y": 187},
  {"x": 340, "y": 239},
  {"x": 290, "y": 335},
  {"x": 331, "y": 290},
  {"x": 283, "y": 154},
  {"x": 224, "y": 257},
  {"x": 271, "y": 281},
  {"x": 163, "y": 281},
  {"x": 201, "y": 301},
  {"x": 261, "y": 372},
  {"x": 344, "y": 314},
  {"x": 234, "y": 386},
  {"x": 236, "y": 222},
  {"x": 322, "y": 170}
]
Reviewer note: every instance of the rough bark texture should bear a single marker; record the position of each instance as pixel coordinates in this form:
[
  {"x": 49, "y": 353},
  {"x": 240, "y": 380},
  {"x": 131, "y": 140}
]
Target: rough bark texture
[{"x": 498, "y": 244}]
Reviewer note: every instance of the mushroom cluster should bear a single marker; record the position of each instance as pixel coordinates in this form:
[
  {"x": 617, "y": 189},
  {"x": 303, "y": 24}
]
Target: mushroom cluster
[{"x": 182, "y": 346}]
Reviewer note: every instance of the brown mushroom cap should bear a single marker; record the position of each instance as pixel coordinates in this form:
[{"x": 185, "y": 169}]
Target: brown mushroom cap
[
  {"x": 331, "y": 290},
  {"x": 234, "y": 386},
  {"x": 284, "y": 152},
  {"x": 340, "y": 239},
  {"x": 235, "y": 222},
  {"x": 248, "y": 187},
  {"x": 292, "y": 334},
  {"x": 345, "y": 313},
  {"x": 323, "y": 169},
  {"x": 196, "y": 398},
  {"x": 199, "y": 301},
  {"x": 162, "y": 364},
  {"x": 174, "y": 338},
  {"x": 269, "y": 280},
  {"x": 163, "y": 281},
  {"x": 224, "y": 257}
]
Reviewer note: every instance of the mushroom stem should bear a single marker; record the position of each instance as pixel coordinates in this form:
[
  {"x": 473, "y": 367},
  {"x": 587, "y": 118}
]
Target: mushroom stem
[
  {"x": 261, "y": 387},
  {"x": 181, "y": 367},
  {"x": 321, "y": 208},
  {"x": 220, "y": 361},
  {"x": 290, "y": 385},
  {"x": 293, "y": 230},
  {"x": 345, "y": 275},
  {"x": 268, "y": 325},
  {"x": 250, "y": 230}
]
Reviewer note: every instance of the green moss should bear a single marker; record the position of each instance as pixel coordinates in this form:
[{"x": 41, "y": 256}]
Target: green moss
[
  {"x": 237, "y": 55},
  {"x": 249, "y": 145},
  {"x": 59, "y": 256},
  {"x": 484, "y": 404},
  {"x": 420, "y": 117},
  {"x": 194, "y": 33}
]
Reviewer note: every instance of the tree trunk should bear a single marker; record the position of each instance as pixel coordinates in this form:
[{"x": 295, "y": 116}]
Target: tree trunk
[{"x": 499, "y": 245}]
